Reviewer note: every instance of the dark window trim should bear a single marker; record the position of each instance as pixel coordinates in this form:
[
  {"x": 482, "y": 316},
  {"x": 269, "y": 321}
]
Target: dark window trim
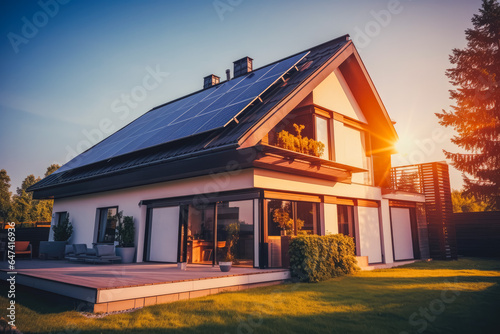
[
  {"x": 98, "y": 210},
  {"x": 58, "y": 216},
  {"x": 209, "y": 198}
]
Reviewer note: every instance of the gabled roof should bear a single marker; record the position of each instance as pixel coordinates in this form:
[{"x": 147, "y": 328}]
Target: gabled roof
[{"x": 269, "y": 103}]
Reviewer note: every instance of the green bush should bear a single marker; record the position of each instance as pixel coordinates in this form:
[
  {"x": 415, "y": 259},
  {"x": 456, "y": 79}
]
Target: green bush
[
  {"x": 63, "y": 230},
  {"x": 315, "y": 258},
  {"x": 125, "y": 230}
]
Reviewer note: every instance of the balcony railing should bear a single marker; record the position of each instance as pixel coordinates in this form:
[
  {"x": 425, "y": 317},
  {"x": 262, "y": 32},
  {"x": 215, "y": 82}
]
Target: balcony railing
[{"x": 407, "y": 178}]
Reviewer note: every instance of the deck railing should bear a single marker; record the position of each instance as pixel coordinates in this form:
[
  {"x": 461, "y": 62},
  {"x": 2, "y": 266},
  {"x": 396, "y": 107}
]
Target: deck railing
[{"x": 407, "y": 178}]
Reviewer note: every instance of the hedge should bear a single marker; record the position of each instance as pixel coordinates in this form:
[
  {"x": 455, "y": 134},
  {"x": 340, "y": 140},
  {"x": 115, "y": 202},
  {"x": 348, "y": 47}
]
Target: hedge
[{"x": 315, "y": 258}]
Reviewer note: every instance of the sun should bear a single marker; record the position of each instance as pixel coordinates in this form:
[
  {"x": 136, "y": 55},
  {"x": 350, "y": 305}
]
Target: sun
[{"x": 404, "y": 145}]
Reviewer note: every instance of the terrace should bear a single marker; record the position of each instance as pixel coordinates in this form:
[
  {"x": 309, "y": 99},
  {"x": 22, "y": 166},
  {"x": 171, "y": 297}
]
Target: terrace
[{"x": 108, "y": 288}]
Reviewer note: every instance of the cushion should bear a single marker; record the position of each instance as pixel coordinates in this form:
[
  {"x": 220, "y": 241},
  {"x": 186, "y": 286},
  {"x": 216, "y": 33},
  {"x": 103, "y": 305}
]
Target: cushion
[
  {"x": 91, "y": 251},
  {"x": 68, "y": 249},
  {"x": 80, "y": 249},
  {"x": 105, "y": 250},
  {"x": 22, "y": 246}
]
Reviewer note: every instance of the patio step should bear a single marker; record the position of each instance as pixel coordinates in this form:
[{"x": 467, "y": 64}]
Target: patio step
[{"x": 362, "y": 261}]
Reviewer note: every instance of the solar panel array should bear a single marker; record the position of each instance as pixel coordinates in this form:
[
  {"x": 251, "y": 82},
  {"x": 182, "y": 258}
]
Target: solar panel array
[{"x": 204, "y": 111}]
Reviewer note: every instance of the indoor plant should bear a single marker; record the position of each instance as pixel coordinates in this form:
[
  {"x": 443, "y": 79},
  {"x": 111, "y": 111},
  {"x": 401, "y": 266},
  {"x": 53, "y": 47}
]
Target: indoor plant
[
  {"x": 233, "y": 235},
  {"x": 125, "y": 234}
]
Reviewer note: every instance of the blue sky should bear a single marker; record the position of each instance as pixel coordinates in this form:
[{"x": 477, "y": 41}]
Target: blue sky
[{"x": 64, "y": 82}]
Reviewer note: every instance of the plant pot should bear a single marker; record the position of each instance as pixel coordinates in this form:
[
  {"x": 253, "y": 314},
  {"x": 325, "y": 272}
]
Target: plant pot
[
  {"x": 52, "y": 249},
  {"x": 225, "y": 266},
  {"x": 126, "y": 253},
  {"x": 182, "y": 265}
]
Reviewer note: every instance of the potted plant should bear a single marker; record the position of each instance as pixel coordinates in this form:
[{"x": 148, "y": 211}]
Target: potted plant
[
  {"x": 125, "y": 234},
  {"x": 55, "y": 249},
  {"x": 233, "y": 235}
]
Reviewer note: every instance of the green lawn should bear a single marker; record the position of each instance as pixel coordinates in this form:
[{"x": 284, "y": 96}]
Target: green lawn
[{"x": 432, "y": 297}]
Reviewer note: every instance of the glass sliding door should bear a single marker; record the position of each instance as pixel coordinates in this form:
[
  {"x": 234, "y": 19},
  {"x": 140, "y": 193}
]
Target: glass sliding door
[
  {"x": 307, "y": 218},
  {"x": 235, "y": 232},
  {"x": 200, "y": 234},
  {"x": 345, "y": 216},
  {"x": 286, "y": 219}
]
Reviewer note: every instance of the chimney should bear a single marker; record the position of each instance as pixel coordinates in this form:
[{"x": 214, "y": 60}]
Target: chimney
[
  {"x": 242, "y": 66},
  {"x": 228, "y": 74},
  {"x": 210, "y": 81}
]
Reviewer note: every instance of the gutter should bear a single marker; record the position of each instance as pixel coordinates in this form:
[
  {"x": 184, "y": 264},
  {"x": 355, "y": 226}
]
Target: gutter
[{"x": 125, "y": 169}]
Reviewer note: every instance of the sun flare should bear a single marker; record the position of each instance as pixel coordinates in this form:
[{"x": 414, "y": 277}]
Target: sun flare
[{"x": 404, "y": 145}]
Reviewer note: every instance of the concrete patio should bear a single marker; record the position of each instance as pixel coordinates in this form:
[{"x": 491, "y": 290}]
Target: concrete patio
[{"x": 115, "y": 287}]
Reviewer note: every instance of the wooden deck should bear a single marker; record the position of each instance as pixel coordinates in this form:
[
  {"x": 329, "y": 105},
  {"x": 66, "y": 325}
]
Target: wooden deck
[{"x": 125, "y": 286}]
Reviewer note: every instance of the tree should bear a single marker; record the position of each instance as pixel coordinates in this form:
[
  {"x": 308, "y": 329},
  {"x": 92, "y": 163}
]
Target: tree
[
  {"x": 28, "y": 182},
  {"x": 476, "y": 113},
  {"x": 5, "y": 196},
  {"x": 51, "y": 169},
  {"x": 26, "y": 209},
  {"x": 463, "y": 203},
  {"x": 44, "y": 208},
  {"x": 22, "y": 207}
]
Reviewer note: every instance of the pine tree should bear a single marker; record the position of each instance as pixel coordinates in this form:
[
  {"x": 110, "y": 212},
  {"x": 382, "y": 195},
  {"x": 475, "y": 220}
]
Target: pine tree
[
  {"x": 5, "y": 197},
  {"x": 476, "y": 113}
]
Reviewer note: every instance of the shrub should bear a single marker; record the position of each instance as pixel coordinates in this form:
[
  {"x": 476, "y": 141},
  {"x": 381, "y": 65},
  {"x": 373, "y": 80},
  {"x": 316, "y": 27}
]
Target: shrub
[
  {"x": 63, "y": 230},
  {"x": 125, "y": 230},
  {"x": 316, "y": 258}
]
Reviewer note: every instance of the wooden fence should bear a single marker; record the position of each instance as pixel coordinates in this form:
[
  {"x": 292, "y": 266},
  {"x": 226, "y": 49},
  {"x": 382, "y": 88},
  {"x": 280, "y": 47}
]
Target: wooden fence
[
  {"x": 32, "y": 234},
  {"x": 478, "y": 233}
]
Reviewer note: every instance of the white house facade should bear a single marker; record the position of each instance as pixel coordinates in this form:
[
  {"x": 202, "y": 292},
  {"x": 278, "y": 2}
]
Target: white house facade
[{"x": 211, "y": 169}]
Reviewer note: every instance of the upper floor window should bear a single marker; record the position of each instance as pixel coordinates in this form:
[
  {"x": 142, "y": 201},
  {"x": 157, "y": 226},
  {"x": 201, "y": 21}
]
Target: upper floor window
[
  {"x": 323, "y": 135},
  {"x": 107, "y": 224},
  {"x": 61, "y": 216}
]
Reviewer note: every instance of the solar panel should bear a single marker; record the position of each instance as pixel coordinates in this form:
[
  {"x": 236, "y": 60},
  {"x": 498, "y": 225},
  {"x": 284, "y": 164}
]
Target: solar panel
[{"x": 206, "y": 110}]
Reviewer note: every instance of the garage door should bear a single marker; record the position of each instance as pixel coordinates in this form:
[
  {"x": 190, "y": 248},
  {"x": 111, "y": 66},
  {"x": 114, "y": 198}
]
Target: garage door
[
  {"x": 164, "y": 234},
  {"x": 401, "y": 233}
]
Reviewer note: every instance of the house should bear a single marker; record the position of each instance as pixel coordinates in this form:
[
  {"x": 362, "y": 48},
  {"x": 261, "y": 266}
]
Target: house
[{"x": 232, "y": 162}]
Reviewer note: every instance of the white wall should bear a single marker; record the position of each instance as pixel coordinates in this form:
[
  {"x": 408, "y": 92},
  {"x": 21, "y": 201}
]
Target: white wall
[
  {"x": 369, "y": 234},
  {"x": 334, "y": 94},
  {"x": 287, "y": 182},
  {"x": 83, "y": 209}
]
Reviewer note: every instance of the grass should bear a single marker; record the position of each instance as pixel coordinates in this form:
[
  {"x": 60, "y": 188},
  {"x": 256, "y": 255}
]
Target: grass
[{"x": 432, "y": 297}]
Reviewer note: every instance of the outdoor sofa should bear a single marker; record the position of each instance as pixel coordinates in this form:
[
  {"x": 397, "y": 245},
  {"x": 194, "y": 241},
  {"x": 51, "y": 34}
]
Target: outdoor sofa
[{"x": 98, "y": 254}]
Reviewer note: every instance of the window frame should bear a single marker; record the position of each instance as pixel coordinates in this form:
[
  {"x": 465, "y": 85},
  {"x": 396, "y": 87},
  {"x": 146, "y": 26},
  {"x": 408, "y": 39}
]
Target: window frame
[
  {"x": 294, "y": 213},
  {"x": 351, "y": 220},
  {"x": 59, "y": 216},
  {"x": 98, "y": 225},
  {"x": 329, "y": 134}
]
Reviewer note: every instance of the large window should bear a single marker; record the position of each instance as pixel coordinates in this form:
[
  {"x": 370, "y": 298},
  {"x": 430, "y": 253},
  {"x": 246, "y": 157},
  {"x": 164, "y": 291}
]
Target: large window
[
  {"x": 284, "y": 219},
  {"x": 323, "y": 135},
  {"x": 291, "y": 218},
  {"x": 200, "y": 234},
  {"x": 107, "y": 225},
  {"x": 345, "y": 214},
  {"x": 235, "y": 231}
]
